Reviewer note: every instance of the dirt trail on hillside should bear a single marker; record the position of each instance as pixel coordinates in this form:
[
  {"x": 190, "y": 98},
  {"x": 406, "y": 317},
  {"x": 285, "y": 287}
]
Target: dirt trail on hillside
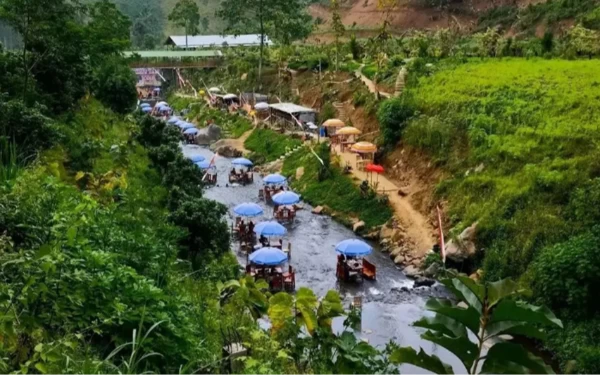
[
  {"x": 415, "y": 225},
  {"x": 237, "y": 143},
  {"x": 370, "y": 84}
]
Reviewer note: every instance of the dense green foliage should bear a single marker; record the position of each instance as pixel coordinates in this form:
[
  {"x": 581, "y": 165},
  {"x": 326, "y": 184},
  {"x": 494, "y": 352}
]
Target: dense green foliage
[
  {"x": 531, "y": 126},
  {"x": 491, "y": 311},
  {"x": 268, "y": 145},
  {"x": 393, "y": 116},
  {"x": 337, "y": 191},
  {"x": 114, "y": 85}
]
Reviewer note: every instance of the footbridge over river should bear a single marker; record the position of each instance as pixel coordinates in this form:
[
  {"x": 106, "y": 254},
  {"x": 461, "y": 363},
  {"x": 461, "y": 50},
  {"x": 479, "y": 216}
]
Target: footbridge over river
[{"x": 166, "y": 59}]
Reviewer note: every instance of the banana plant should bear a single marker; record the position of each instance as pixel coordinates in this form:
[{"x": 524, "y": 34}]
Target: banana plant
[
  {"x": 306, "y": 308},
  {"x": 492, "y": 314},
  {"x": 247, "y": 292}
]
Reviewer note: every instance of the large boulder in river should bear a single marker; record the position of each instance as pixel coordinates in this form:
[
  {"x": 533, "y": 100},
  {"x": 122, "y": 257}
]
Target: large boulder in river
[
  {"x": 463, "y": 247},
  {"x": 228, "y": 151},
  {"x": 411, "y": 271},
  {"x": 359, "y": 226},
  {"x": 208, "y": 134}
]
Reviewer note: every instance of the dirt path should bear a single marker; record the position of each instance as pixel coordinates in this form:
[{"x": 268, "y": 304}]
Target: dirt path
[
  {"x": 237, "y": 143},
  {"x": 370, "y": 84},
  {"x": 416, "y": 225}
]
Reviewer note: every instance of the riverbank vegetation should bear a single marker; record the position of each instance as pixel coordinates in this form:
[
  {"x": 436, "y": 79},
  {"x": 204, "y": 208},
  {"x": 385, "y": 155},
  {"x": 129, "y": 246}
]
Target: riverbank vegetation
[
  {"x": 519, "y": 137},
  {"x": 328, "y": 186},
  {"x": 268, "y": 145}
]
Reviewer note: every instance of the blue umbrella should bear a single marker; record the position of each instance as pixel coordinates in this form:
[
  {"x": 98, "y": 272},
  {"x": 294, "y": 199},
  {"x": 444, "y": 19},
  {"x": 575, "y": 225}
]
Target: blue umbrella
[
  {"x": 187, "y": 126},
  {"x": 204, "y": 164},
  {"x": 196, "y": 158},
  {"x": 191, "y": 131},
  {"x": 180, "y": 122},
  {"x": 268, "y": 256},
  {"x": 353, "y": 248},
  {"x": 269, "y": 228},
  {"x": 274, "y": 179},
  {"x": 146, "y": 109},
  {"x": 248, "y": 209},
  {"x": 242, "y": 161},
  {"x": 145, "y": 105},
  {"x": 286, "y": 197},
  {"x": 173, "y": 120}
]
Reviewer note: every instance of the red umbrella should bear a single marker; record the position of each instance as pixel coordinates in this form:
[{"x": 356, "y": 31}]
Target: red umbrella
[{"x": 374, "y": 168}]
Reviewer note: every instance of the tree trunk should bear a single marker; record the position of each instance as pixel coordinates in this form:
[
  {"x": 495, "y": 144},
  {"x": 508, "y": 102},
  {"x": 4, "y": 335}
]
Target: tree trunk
[{"x": 262, "y": 43}]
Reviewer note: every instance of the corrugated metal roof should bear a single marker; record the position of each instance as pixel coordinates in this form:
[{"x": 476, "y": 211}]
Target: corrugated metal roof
[
  {"x": 290, "y": 108},
  {"x": 200, "y": 41},
  {"x": 174, "y": 54}
]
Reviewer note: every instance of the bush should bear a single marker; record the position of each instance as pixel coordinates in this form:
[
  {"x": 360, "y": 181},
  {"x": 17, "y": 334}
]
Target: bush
[
  {"x": 26, "y": 126},
  {"x": 114, "y": 85},
  {"x": 268, "y": 145},
  {"x": 566, "y": 276},
  {"x": 393, "y": 115},
  {"x": 327, "y": 112}
]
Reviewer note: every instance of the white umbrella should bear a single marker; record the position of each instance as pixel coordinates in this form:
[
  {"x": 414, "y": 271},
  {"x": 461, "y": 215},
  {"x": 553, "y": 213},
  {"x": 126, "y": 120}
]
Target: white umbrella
[
  {"x": 229, "y": 96},
  {"x": 214, "y": 89}
]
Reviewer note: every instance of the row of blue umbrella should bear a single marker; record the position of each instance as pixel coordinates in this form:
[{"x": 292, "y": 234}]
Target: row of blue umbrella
[
  {"x": 271, "y": 256},
  {"x": 161, "y": 106}
]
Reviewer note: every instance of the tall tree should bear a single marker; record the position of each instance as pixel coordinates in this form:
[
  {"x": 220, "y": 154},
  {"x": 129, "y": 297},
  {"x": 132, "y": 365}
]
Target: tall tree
[
  {"x": 186, "y": 14},
  {"x": 107, "y": 31},
  {"x": 37, "y": 22},
  {"x": 338, "y": 29},
  {"x": 286, "y": 20}
]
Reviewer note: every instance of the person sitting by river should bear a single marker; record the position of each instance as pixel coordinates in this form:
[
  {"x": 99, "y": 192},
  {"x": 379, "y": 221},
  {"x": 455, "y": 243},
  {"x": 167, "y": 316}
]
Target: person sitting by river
[
  {"x": 242, "y": 228},
  {"x": 263, "y": 241},
  {"x": 250, "y": 227}
]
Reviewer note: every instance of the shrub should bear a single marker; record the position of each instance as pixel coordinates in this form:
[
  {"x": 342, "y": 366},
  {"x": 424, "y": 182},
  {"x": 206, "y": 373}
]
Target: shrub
[
  {"x": 114, "y": 85},
  {"x": 26, "y": 126},
  {"x": 566, "y": 276},
  {"x": 393, "y": 115},
  {"x": 327, "y": 112}
]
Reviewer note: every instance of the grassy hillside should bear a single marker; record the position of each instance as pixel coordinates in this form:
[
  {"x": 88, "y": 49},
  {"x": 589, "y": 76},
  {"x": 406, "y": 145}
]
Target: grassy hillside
[{"x": 521, "y": 138}]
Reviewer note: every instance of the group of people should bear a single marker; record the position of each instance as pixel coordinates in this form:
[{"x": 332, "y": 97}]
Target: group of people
[{"x": 245, "y": 229}]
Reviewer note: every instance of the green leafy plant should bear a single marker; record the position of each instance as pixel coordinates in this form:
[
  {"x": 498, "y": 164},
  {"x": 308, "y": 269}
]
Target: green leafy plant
[{"x": 489, "y": 312}]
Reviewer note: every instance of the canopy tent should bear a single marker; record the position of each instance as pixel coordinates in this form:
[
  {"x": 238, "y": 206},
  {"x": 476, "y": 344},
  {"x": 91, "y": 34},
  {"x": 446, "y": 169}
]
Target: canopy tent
[
  {"x": 248, "y": 209},
  {"x": 191, "y": 131},
  {"x": 348, "y": 130},
  {"x": 268, "y": 256},
  {"x": 196, "y": 158},
  {"x": 353, "y": 247},
  {"x": 334, "y": 123},
  {"x": 242, "y": 161},
  {"x": 269, "y": 229},
  {"x": 286, "y": 197},
  {"x": 275, "y": 178}
]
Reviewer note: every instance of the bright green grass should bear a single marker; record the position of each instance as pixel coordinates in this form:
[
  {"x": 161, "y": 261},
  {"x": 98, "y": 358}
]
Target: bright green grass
[
  {"x": 534, "y": 128},
  {"x": 268, "y": 145},
  {"x": 338, "y": 191}
]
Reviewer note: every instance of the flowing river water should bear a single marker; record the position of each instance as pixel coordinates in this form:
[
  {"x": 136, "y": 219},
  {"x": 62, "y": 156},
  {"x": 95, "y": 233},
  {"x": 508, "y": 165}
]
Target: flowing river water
[{"x": 388, "y": 309}]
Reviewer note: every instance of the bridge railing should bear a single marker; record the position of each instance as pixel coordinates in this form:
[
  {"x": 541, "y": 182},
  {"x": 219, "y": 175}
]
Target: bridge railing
[{"x": 166, "y": 64}]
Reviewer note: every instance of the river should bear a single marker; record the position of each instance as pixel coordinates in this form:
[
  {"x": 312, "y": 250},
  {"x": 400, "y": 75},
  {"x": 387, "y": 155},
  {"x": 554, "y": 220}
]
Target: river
[{"x": 388, "y": 310}]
